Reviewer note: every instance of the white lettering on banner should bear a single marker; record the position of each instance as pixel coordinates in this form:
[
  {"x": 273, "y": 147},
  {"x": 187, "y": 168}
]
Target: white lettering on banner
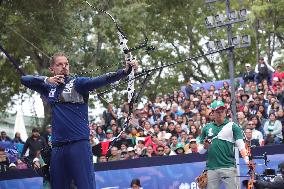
[{"x": 186, "y": 185}]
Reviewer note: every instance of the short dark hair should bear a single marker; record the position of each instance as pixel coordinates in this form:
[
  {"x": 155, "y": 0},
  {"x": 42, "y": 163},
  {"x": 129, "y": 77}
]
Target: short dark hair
[
  {"x": 54, "y": 56},
  {"x": 135, "y": 181},
  {"x": 160, "y": 146},
  {"x": 35, "y": 130}
]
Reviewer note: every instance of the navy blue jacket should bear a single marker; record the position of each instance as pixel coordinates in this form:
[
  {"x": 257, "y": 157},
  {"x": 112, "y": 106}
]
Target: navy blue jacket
[{"x": 69, "y": 102}]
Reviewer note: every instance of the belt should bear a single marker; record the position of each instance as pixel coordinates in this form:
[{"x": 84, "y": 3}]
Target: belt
[{"x": 60, "y": 144}]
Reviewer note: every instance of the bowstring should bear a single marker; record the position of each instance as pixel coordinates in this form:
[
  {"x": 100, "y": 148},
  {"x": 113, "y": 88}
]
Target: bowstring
[{"x": 27, "y": 41}]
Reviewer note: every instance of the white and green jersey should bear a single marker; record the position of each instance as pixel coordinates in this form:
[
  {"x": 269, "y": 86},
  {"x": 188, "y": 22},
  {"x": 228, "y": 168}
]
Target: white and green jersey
[{"x": 221, "y": 152}]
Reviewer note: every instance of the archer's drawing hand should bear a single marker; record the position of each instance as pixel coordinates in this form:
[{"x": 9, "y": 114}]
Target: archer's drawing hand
[
  {"x": 58, "y": 79},
  {"x": 206, "y": 143}
]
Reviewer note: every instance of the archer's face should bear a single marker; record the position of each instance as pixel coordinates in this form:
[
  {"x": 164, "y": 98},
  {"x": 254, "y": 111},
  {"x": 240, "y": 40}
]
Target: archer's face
[
  {"x": 219, "y": 115},
  {"x": 60, "y": 66}
]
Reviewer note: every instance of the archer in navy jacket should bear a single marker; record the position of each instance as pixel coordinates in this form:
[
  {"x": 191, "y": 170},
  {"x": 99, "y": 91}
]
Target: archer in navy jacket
[{"x": 68, "y": 97}]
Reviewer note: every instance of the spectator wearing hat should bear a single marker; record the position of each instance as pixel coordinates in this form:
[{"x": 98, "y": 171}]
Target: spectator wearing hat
[
  {"x": 273, "y": 130},
  {"x": 196, "y": 103},
  {"x": 192, "y": 147},
  {"x": 131, "y": 154},
  {"x": 220, "y": 144},
  {"x": 252, "y": 107},
  {"x": 244, "y": 98},
  {"x": 109, "y": 135},
  {"x": 215, "y": 96},
  {"x": 179, "y": 149},
  {"x": 249, "y": 74},
  {"x": 263, "y": 71},
  {"x": 241, "y": 91},
  {"x": 34, "y": 143},
  {"x": 262, "y": 99}
]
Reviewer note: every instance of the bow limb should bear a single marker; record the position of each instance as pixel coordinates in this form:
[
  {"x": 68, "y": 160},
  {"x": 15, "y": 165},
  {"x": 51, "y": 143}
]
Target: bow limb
[
  {"x": 251, "y": 166},
  {"x": 15, "y": 64}
]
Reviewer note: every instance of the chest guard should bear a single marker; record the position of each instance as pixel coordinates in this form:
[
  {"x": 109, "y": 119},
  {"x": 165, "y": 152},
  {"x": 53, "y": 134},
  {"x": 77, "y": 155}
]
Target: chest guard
[{"x": 68, "y": 94}]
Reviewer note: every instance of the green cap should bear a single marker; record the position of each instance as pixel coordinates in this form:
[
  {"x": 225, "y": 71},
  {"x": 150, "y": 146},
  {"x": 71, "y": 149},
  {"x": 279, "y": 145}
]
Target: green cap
[
  {"x": 179, "y": 145},
  {"x": 217, "y": 104},
  {"x": 109, "y": 131}
]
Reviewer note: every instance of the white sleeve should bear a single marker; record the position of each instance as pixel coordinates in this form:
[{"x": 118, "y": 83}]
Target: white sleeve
[
  {"x": 202, "y": 150},
  {"x": 256, "y": 68},
  {"x": 240, "y": 144},
  {"x": 242, "y": 148},
  {"x": 270, "y": 67},
  {"x": 45, "y": 80}
]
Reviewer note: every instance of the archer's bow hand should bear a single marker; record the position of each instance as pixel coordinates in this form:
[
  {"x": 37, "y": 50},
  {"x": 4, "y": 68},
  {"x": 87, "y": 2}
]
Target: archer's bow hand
[{"x": 133, "y": 64}]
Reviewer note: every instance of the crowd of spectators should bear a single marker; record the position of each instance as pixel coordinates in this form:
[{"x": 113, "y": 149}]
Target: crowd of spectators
[
  {"x": 18, "y": 154},
  {"x": 171, "y": 124}
]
